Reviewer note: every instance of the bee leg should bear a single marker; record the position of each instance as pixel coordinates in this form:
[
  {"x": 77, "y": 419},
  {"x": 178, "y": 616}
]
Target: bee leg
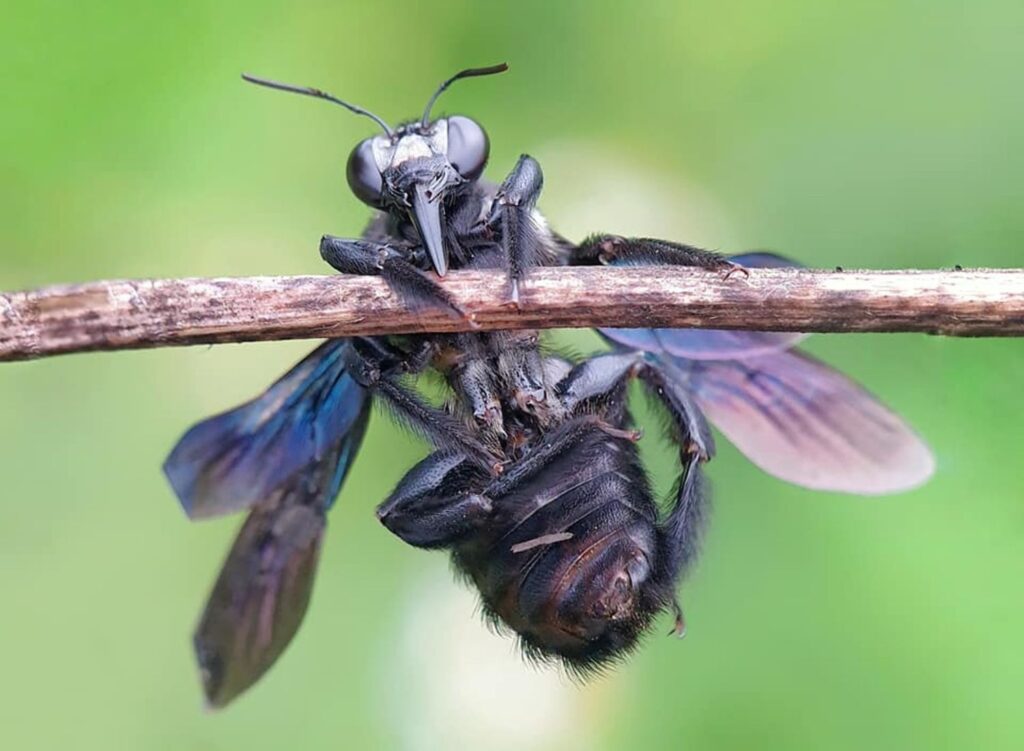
[
  {"x": 398, "y": 264},
  {"x": 512, "y": 211},
  {"x": 612, "y": 250},
  {"x": 679, "y": 628},
  {"x": 472, "y": 376},
  {"x": 682, "y": 527},
  {"x": 599, "y": 378},
  {"x": 433, "y": 505},
  {"x": 602, "y": 379},
  {"x": 392, "y": 359},
  {"x": 692, "y": 432},
  {"x": 375, "y": 371},
  {"x": 554, "y": 446},
  {"x": 522, "y": 371}
]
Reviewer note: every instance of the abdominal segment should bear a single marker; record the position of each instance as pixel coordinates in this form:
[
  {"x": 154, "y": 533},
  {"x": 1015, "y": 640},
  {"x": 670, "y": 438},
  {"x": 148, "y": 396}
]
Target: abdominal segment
[{"x": 569, "y": 549}]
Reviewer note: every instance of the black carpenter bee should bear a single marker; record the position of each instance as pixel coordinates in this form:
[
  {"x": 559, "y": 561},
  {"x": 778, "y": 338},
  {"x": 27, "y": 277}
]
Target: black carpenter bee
[{"x": 534, "y": 484}]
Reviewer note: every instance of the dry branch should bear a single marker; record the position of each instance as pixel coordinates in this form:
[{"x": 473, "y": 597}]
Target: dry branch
[{"x": 112, "y": 315}]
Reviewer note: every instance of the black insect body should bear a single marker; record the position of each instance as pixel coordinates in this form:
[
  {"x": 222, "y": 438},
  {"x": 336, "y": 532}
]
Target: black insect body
[
  {"x": 535, "y": 485},
  {"x": 566, "y": 545}
]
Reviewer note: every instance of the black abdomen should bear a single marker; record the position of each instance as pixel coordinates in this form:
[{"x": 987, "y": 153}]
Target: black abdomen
[{"x": 566, "y": 554}]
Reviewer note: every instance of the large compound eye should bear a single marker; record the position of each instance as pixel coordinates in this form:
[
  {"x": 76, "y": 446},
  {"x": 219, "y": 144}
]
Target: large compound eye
[
  {"x": 363, "y": 176},
  {"x": 468, "y": 146}
]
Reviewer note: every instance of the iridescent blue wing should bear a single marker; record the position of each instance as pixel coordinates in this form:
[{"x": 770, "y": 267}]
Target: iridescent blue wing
[
  {"x": 806, "y": 423},
  {"x": 713, "y": 344},
  {"x": 316, "y": 413},
  {"x": 263, "y": 589},
  {"x": 285, "y": 455}
]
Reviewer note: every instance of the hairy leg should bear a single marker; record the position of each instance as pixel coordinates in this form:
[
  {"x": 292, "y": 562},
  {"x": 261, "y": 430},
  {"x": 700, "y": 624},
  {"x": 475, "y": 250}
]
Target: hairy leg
[
  {"x": 512, "y": 214},
  {"x": 601, "y": 378},
  {"x": 397, "y": 263},
  {"x": 434, "y": 504},
  {"x": 612, "y": 250},
  {"x": 380, "y": 370}
]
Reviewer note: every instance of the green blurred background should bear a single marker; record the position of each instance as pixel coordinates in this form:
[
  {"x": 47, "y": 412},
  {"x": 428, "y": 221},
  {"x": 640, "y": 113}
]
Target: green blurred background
[{"x": 854, "y": 134}]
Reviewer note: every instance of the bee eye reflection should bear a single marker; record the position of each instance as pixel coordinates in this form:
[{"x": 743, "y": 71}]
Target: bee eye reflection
[
  {"x": 468, "y": 146},
  {"x": 363, "y": 176}
]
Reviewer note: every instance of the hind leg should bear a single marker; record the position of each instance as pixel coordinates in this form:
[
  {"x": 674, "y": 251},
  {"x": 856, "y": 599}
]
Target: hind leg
[
  {"x": 602, "y": 379},
  {"x": 433, "y": 505}
]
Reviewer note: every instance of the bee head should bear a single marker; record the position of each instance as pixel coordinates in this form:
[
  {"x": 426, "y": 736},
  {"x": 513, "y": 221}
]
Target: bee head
[{"x": 410, "y": 169}]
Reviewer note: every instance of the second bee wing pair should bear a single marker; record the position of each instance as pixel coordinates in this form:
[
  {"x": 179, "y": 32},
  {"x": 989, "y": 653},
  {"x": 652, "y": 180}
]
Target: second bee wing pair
[{"x": 792, "y": 416}]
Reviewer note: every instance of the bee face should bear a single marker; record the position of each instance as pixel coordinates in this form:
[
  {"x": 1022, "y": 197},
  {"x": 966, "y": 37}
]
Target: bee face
[
  {"x": 411, "y": 172},
  {"x": 410, "y": 169}
]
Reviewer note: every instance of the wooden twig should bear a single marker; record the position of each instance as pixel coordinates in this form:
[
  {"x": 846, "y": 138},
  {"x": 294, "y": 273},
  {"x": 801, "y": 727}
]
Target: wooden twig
[{"x": 113, "y": 315}]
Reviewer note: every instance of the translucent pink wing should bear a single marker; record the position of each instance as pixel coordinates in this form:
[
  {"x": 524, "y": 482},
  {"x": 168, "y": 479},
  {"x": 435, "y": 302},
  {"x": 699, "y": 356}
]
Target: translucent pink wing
[
  {"x": 808, "y": 424},
  {"x": 704, "y": 344}
]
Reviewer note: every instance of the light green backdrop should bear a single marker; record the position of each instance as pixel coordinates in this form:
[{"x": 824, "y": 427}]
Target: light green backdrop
[{"x": 854, "y": 134}]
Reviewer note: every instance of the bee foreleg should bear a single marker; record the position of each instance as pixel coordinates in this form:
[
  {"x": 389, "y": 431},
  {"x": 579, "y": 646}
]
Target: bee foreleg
[
  {"x": 521, "y": 370},
  {"x": 512, "y": 213},
  {"x": 396, "y": 263}
]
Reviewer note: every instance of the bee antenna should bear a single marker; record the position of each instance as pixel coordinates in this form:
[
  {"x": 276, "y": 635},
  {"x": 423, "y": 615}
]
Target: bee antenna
[
  {"x": 310, "y": 91},
  {"x": 467, "y": 73}
]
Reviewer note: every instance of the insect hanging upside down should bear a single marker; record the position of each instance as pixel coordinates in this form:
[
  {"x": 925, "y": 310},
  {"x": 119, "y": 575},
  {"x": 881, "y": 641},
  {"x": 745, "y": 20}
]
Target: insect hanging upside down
[{"x": 534, "y": 485}]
